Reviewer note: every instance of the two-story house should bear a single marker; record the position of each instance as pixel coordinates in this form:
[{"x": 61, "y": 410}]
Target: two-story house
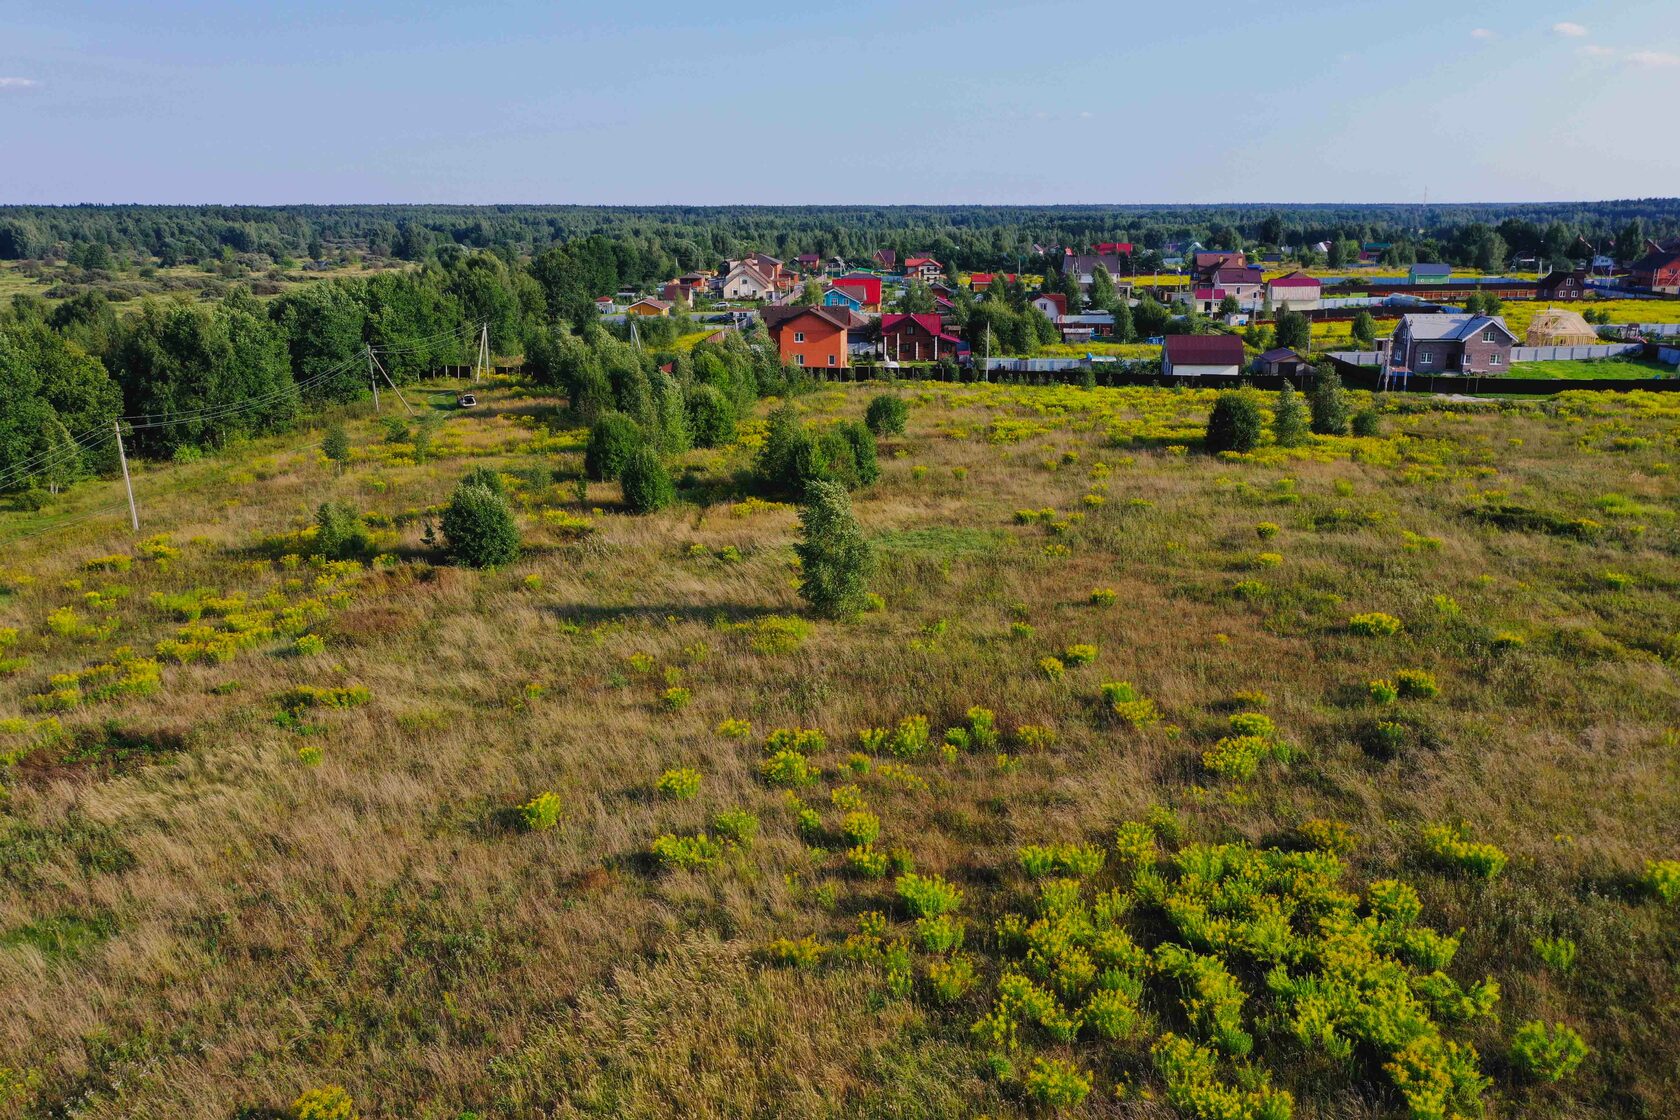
[
  {"x": 811, "y": 337},
  {"x": 1451, "y": 344}
]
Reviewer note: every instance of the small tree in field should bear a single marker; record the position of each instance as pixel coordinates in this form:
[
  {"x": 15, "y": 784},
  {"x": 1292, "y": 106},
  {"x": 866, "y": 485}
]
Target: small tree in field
[
  {"x": 835, "y": 560},
  {"x": 611, "y": 440},
  {"x": 479, "y": 527},
  {"x": 1289, "y": 419},
  {"x": 1364, "y": 330},
  {"x": 1329, "y": 404},
  {"x": 645, "y": 481},
  {"x": 1234, "y": 424},
  {"x": 335, "y": 445},
  {"x": 886, "y": 415}
]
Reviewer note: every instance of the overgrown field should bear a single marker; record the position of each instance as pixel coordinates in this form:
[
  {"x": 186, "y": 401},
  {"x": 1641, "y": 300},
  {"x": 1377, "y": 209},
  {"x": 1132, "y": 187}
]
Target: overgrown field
[{"x": 1157, "y": 784}]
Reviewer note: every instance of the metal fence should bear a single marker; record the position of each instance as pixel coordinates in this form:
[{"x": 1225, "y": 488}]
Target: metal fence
[
  {"x": 1573, "y": 353},
  {"x": 1358, "y": 357},
  {"x": 1661, "y": 330},
  {"x": 1669, "y": 355}
]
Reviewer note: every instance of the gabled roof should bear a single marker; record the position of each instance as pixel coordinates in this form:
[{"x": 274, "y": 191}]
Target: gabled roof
[
  {"x": 1451, "y": 328},
  {"x": 927, "y": 321},
  {"x": 1238, "y": 274},
  {"x": 1220, "y": 257},
  {"x": 753, "y": 273},
  {"x": 1203, "y": 349},
  {"x": 888, "y": 257},
  {"x": 1656, "y": 259},
  {"x": 844, "y": 318},
  {"x": 649, "y": 301},
  {"x": 917, "y": 262},
  {"x": 1296, "y": 279},
  {"x": 1055, "y": 298},
  {"x": 857, "y": 293},
  {"x": 1281, "y": 354}
]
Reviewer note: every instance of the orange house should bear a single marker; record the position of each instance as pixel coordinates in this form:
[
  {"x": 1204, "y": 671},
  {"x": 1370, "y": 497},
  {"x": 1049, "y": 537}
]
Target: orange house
[{"x": 812, "y": 337}]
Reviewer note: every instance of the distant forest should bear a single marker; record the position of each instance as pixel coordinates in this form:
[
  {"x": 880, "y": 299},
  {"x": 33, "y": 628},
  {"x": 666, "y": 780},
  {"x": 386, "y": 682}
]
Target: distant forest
[{"x": 649, "y": 243}]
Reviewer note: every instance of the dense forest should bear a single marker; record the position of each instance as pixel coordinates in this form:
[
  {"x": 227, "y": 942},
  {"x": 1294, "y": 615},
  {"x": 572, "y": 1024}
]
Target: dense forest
[{"x": 644, "y": 244}]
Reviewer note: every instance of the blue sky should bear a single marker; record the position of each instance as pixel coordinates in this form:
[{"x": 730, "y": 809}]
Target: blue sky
[{"x": 993, "y": 101}]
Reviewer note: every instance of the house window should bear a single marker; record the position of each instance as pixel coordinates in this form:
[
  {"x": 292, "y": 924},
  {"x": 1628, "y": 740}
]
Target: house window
[
  {"x": 1487, "y": 335},
  {"x": 1495, "y": 359},
  {"x": 1426, "y": 357},
  {"x": 799, "y": 359},
  {"x": 831, "y": 359},
  {"x": 799, "y": 336}
]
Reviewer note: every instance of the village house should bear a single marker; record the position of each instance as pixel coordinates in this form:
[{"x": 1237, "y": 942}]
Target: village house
[
  {"x": 809, "y": 262},
  {"x": 1082, "y": 267},
  {"x": 1450, "y": 344},
  {"x": 1086, "y": 326},
  {"x": 1242, "y": 281},
  {"x": 1202, "y": 355},
  {"x": 811, "y": 337},
  {"x": 675, "y": 292},
  {"x": 923, "y": 268},
  {"x": 916, "y": 338},
  {"x": 1428, "y": 274},
  {"x": 980, "y": 281},
  {"x": 652, "y": 308},
  {"x": 1052, "y": 305},
  {"x": 1282, "y": 361},
  {"x": 838, "y": 295},
  {"x": 1563, "y": 285},
  {"x": 745, "y": 281},
  {"x": 1204, "y": 301},
  {"x": 886, "y": 258},
  {"x": 1206, "y": 264},
  {"x": 1300, "y": 291},
  {"x": 866, "y": 287},
  {"x": 1658, "y": 270},
  {"x": 604, "y": 305}
]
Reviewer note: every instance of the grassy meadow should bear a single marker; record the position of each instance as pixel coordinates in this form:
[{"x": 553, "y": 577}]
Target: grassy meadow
[{"x": 270, "y": 825}]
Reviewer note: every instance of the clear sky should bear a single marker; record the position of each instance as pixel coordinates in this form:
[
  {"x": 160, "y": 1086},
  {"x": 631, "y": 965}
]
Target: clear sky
[{"x": 721, "y": 101}]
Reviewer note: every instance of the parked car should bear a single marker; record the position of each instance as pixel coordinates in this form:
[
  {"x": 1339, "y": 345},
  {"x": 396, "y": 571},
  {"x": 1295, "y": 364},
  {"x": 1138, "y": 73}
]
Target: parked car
[{"x": 466, "y": 400}]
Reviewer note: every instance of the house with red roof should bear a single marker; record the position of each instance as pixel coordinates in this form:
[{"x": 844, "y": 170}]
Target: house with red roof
[
  {"x": 917, "y": 338},
  {"x": 1205, "y": 264},
  {"x": 1300, "y": 291},
  {"x": 1205, "y": 301},
  {"x": 980, "y": 281},
  {"x": 1202, "y": 355},
  {"x": 869, "y": 288},
  {"x": 1052, "y": 305},
  {"x": 1112, "y": 248},
  {"x": 923, "y": 268}
]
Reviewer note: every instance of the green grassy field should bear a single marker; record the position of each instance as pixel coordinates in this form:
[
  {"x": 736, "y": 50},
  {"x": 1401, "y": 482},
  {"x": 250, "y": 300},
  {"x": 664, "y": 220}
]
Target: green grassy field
[
  {"x": 1596, "y": 367},
  {"x": 1156, "y": 730}
]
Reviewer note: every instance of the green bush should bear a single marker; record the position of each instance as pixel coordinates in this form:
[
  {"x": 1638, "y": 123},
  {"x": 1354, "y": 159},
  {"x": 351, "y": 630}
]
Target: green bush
[
  {"x": 1451, "y": 846},
  {"x": 487, "y": 477},
  {"x": 646, "y": 483},
  {"x": 928, "y": 896},
  {"x": 1549, "y": 1055},
  {"x": 711, "y": 416},
  {"x": 737, "y": 826},
  {"x": 479, "y": 527},
  {"x": 1367, "y": 422},
  {"x": 339, "y": 533},
  {"x": 835, "y": 560},
  {"x": 1056, "y": 1083},
  {"x": 861, "y": 441},
  {"x": 612, "y": 438},
  {"x": 1234, "y": 424},
  {"x": 541, "y": 812},
  {"x": 329, "y": 1102},
  {"x": 1557, "y": 952},
  {"x": 679, "y": 784},
  {"x": 886, "y": 415}
]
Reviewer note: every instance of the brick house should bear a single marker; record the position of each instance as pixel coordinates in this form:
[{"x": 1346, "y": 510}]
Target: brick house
[
  {"x": 811, "y": 337},
  {"x": 1563, "y": 285},
  {"x": 917, "y": 338},
  {"x": 1451, "y": 344}
]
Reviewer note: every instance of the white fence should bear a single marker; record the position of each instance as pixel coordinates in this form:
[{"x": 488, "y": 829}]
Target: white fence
[
  {"x": 1358, "y": 357},
  {"x": 1573, "y": 353},
  {"x": 1661, "y": 330}
]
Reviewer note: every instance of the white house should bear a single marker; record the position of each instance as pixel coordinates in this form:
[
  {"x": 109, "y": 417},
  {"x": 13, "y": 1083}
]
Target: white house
[
  {"x": 1300, "y": 291},
  {"x": 746, "y": 282},
  {"x": 1202, "y": 355}
]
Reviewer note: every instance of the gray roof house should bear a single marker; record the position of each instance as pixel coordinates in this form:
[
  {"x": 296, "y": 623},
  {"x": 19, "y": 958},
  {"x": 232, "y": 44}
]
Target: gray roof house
[{"x": 1451, "y": 344}]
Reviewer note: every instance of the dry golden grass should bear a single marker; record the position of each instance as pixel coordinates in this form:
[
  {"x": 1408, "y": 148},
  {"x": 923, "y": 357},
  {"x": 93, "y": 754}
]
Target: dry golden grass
[{"x": 262, "y": 925}]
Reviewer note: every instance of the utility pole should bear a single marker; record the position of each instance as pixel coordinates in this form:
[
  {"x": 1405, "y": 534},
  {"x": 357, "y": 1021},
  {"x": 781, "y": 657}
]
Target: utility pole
[
  {"x": 373, "y": 381},
  {"x": 483, "y": 358},
  {"x": 122, "y": 456}
]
